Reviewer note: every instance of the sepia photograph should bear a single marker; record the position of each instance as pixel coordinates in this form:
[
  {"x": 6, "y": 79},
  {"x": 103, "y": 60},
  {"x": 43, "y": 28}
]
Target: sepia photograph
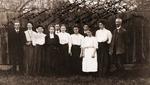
[{"x": 74, "y": 42}]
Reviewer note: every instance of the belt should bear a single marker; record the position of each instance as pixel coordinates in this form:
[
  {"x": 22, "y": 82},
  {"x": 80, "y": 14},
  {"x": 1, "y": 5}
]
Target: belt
[{"x": 76, "y": 45}]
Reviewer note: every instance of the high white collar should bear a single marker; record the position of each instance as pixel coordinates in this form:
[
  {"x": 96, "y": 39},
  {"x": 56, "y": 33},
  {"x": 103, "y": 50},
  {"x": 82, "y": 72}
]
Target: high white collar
[{"x": 118, "y": 27}]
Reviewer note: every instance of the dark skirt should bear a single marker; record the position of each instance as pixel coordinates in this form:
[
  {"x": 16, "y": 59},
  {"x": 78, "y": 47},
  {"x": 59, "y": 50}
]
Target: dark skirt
[
  {"x": 51, "y": 60},
  {"x": 103, "y": 57},
  {"x": 76, "y": 60},
  {"x": 37, "y": 59},
  {"x": 28, "y": 58},
  {"x": 65, "y": 59}
]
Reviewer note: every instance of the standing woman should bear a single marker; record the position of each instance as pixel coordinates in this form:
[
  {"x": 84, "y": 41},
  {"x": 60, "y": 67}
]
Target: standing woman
[
  {"x": 29, "y": 48},
  {"x": 65, "y": 48},
  {"x": 76, "y": 40},
  {"x": 52, "y": 51},
  {"x": 89, "y": 54},
  {"x": 39, "y": 41}
]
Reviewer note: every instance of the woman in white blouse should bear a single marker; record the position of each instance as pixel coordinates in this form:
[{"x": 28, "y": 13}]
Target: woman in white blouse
[
  {"x": 64, "y": 38},
  {"x": 76, "y": 40},
  {"x": 39, "y": 41},
  {"x": 89, "y": 54},
  {"x": 29, "y": 48}
]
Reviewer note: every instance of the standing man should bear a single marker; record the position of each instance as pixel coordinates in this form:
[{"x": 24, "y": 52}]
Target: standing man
[
  {"x": 15, "y": 43},
  {"x": 85, "y": 29},
  {"x": 76, "y": 40},
  {"x": 29, "y": 48},
  {"x": 118, "y": 45},
  {"x": 57, "y": 29},
  {"x": 104, "y": 37}
]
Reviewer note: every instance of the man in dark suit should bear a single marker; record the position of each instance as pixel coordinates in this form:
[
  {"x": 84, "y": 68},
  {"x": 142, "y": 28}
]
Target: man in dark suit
[
  {"x": 119, "y": 45},
  {"x": 15, "y": 45}
]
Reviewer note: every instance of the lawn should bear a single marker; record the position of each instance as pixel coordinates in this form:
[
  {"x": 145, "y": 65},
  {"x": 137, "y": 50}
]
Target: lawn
[{"x": 134, "y": 76}]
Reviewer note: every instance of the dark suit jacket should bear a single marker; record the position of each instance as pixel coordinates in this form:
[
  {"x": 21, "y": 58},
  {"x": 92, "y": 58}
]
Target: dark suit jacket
[
  {"x": 15, "y": 46},
  {"x": 119, "y": 41}
]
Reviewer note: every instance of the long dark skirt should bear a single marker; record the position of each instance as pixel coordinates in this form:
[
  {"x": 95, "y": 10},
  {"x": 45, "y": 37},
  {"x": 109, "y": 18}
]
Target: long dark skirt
[
  {"x": 51, "y": 60},
  {"x": 103, "y": 58},
  {"x": 65, "y": 59},
  {"x": 28, "y": 58},
  {"x": 37, "y": 59},
  {"x": 76, "y": 60}
]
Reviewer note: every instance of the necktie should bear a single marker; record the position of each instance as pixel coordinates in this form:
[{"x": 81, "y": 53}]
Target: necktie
[{"x": 118, "y": 30}]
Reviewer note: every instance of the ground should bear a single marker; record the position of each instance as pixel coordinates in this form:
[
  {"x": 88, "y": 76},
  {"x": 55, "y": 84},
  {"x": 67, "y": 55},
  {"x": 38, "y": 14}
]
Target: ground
[{"x": 137, "y": 75}]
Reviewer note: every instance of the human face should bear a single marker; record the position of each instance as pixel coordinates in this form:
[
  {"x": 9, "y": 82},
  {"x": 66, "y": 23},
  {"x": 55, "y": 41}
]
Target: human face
[
  {"x": 17, "y": 25},
  {"x": 40, "y": 29},
  {"x": 101, "y": 26},
  {"x": 89, "y": 33},
  {"x": 76, "y": 30},
  {"x": 29, "y": 26},
  {"x": 118, "y": 22},
  {"x": 51, "y": 30},
  {"x": 57, "y": 27},
  {"x": 63, "y": 29},
  {"x": 85, "y": 27}
]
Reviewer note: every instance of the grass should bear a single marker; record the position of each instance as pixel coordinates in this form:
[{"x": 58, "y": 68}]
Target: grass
[
  {"x": 74, "y": 80},
  {"x": 136, "y": 76}
]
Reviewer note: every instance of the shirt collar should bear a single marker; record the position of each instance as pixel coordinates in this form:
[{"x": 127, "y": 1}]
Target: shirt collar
[
  {"x": 17, "y": 29},
  {"x": 102, "y": 29},
  {"x": 118, "y": 27},
  {"x": 30, "y": 30}
]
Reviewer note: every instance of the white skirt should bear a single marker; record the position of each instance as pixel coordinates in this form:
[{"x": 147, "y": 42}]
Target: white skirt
[{"x": 89, "y": 64}]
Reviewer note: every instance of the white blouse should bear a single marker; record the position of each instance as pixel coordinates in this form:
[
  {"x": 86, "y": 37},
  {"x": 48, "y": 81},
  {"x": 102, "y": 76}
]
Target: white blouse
[
  {"x": 51, "y": 36},
  {"x": 30, "y": 35},
  {"x": 39, "y": 39},
  {"x": 64, "y": 38},
  {"x": 89, "y": 42},
  {"x": 104, "y": 35},
  {"x": 76, "y": 39}
]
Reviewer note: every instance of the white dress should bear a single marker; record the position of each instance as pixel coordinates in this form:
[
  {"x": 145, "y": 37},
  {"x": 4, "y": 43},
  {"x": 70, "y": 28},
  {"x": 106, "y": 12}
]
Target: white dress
[{"x": 89, "y": 64}]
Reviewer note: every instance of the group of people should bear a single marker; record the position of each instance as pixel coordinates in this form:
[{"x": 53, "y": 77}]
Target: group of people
[{"x": 58, "y": 52}]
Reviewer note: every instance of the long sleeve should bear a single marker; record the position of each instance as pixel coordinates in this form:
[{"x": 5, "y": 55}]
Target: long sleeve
[
  {"x": 39, "y": 39},
  {"x": 109, "y": 37},
  {"x": 95, "y": 43},
  {"x": 34, "y": 41},
  {"x": 82, "y": 43},
  {"x": 23, "y": 38},
  {"x": 42, "y": 40},
  {"x": 57, "y": 41},
  {"x": 69, "y": 38}
]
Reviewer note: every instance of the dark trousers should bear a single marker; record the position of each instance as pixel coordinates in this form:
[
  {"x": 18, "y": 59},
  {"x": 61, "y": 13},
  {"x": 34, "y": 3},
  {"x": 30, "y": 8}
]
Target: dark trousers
[
  {"x": 103, "y": 58},
  {"x": 28, "y": 58},
  {"x": 119, "y": 60}
]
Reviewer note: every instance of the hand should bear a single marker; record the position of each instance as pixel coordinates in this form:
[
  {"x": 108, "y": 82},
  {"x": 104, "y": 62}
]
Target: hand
[
  {"x": 70, "y": 53},
  {"x": 110, "y": 53},
  {"x": 81, "y": 55},
  {"x": 28, "y": 43},
  {"x": 93, "y": 56}
]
